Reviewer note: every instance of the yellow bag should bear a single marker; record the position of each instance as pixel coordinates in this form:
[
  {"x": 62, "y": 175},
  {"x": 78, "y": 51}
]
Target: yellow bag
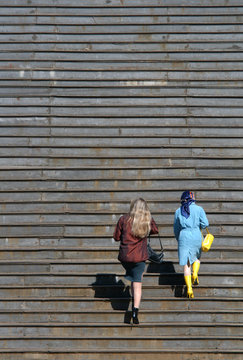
[{"x": 207, "y": 241}]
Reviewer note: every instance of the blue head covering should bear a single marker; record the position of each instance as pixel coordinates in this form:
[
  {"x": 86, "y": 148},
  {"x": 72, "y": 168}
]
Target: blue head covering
[{"x": 187, "y": 198}]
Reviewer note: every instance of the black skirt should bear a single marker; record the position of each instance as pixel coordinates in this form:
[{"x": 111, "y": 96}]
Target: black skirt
[{"x": 134, "y": 271}]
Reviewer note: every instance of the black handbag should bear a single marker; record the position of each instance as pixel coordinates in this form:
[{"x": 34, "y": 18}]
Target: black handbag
[{"x": 155, "y": 257}]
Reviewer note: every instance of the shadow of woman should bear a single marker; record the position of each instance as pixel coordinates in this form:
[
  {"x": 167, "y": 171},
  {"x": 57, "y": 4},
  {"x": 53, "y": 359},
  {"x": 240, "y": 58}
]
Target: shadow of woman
[
  {"x": 108, "y": 286},
  {"x": 168, "y": 276}
]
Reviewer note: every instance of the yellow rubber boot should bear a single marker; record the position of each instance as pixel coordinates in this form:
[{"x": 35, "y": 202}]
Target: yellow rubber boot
[
  {"x": 188, "y": 281},
  {"x": 195, "y": 268}
]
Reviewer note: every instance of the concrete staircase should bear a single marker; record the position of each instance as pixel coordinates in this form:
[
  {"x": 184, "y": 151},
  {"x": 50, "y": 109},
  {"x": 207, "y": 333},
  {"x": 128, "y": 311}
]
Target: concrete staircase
[
  {"x": 71, "y": 302},
  {"x": 102, "y": 101}
]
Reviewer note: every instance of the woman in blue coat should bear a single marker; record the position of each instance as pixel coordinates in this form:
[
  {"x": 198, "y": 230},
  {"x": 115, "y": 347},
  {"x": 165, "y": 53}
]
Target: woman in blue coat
[{"x": 188, "y": 221}]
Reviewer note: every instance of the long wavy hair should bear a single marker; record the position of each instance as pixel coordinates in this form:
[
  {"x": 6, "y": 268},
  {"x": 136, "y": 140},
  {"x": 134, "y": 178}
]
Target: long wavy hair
[{"x": 140, "y": 217}]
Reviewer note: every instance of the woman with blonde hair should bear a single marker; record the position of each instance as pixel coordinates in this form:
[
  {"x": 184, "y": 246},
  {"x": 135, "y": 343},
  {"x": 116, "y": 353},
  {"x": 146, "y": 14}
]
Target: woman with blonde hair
[{"x": 132, "y": 230}]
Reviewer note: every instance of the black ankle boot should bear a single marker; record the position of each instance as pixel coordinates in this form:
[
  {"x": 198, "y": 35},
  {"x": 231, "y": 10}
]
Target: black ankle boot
[{"x": 135, "y": 315}]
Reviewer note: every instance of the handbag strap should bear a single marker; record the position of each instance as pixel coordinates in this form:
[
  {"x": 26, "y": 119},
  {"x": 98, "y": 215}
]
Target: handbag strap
[
  {"x": 207, "y": 232},
  {"x": 161, "y": 246}
]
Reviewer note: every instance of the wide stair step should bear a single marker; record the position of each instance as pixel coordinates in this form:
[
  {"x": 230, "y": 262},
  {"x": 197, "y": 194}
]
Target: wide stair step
[
  {"x": 120, "y": 329},
  {"x": 127, "y": 353},
  {"x": 113, "y": 278},
  {"x": 116, "y": 290},
  {"x": 149, "y": 342},
  {"x": 121, "y": 316},
  {"x": 101, "y": 253},
  {"x": 102, "y": 266},
  {"x": 75, "y": 304}
]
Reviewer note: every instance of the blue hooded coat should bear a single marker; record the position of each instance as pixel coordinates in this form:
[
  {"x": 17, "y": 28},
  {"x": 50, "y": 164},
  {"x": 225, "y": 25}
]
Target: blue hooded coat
[{"x": 188, "y": 233}]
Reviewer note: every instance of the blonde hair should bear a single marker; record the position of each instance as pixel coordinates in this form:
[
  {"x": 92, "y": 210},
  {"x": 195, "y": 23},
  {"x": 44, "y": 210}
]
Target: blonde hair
[{"x": 141, "y": 218}]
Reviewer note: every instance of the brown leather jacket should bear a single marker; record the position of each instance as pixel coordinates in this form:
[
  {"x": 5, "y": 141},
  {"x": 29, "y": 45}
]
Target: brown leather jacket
[{"x": 132, "y": 248}]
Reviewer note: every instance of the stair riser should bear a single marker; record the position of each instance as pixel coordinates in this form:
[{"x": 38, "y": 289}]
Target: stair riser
[
  {"x": 120, "y": 317},
  {"x": 87, "y": 241},
  {"x": 82, "y": 355},
  {"x": 102, "y": 255},
  {"x": 112, "y": 278},
  {"x": 120, "y": 304},
  {"x": 122, "y": 331},
  {"x": 207, "y": 268},
  {"x": 100, "y": 268},
  {"x": 112, "y": 343},
  {"x": 113, "y": 292}
]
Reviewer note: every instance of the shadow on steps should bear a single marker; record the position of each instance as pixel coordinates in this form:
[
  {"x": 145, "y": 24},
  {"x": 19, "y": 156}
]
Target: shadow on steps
[
  {"x": 168, "y": 276},
  {"x": 118, "y": 293},
  {"x": 108, "y": 286}
]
